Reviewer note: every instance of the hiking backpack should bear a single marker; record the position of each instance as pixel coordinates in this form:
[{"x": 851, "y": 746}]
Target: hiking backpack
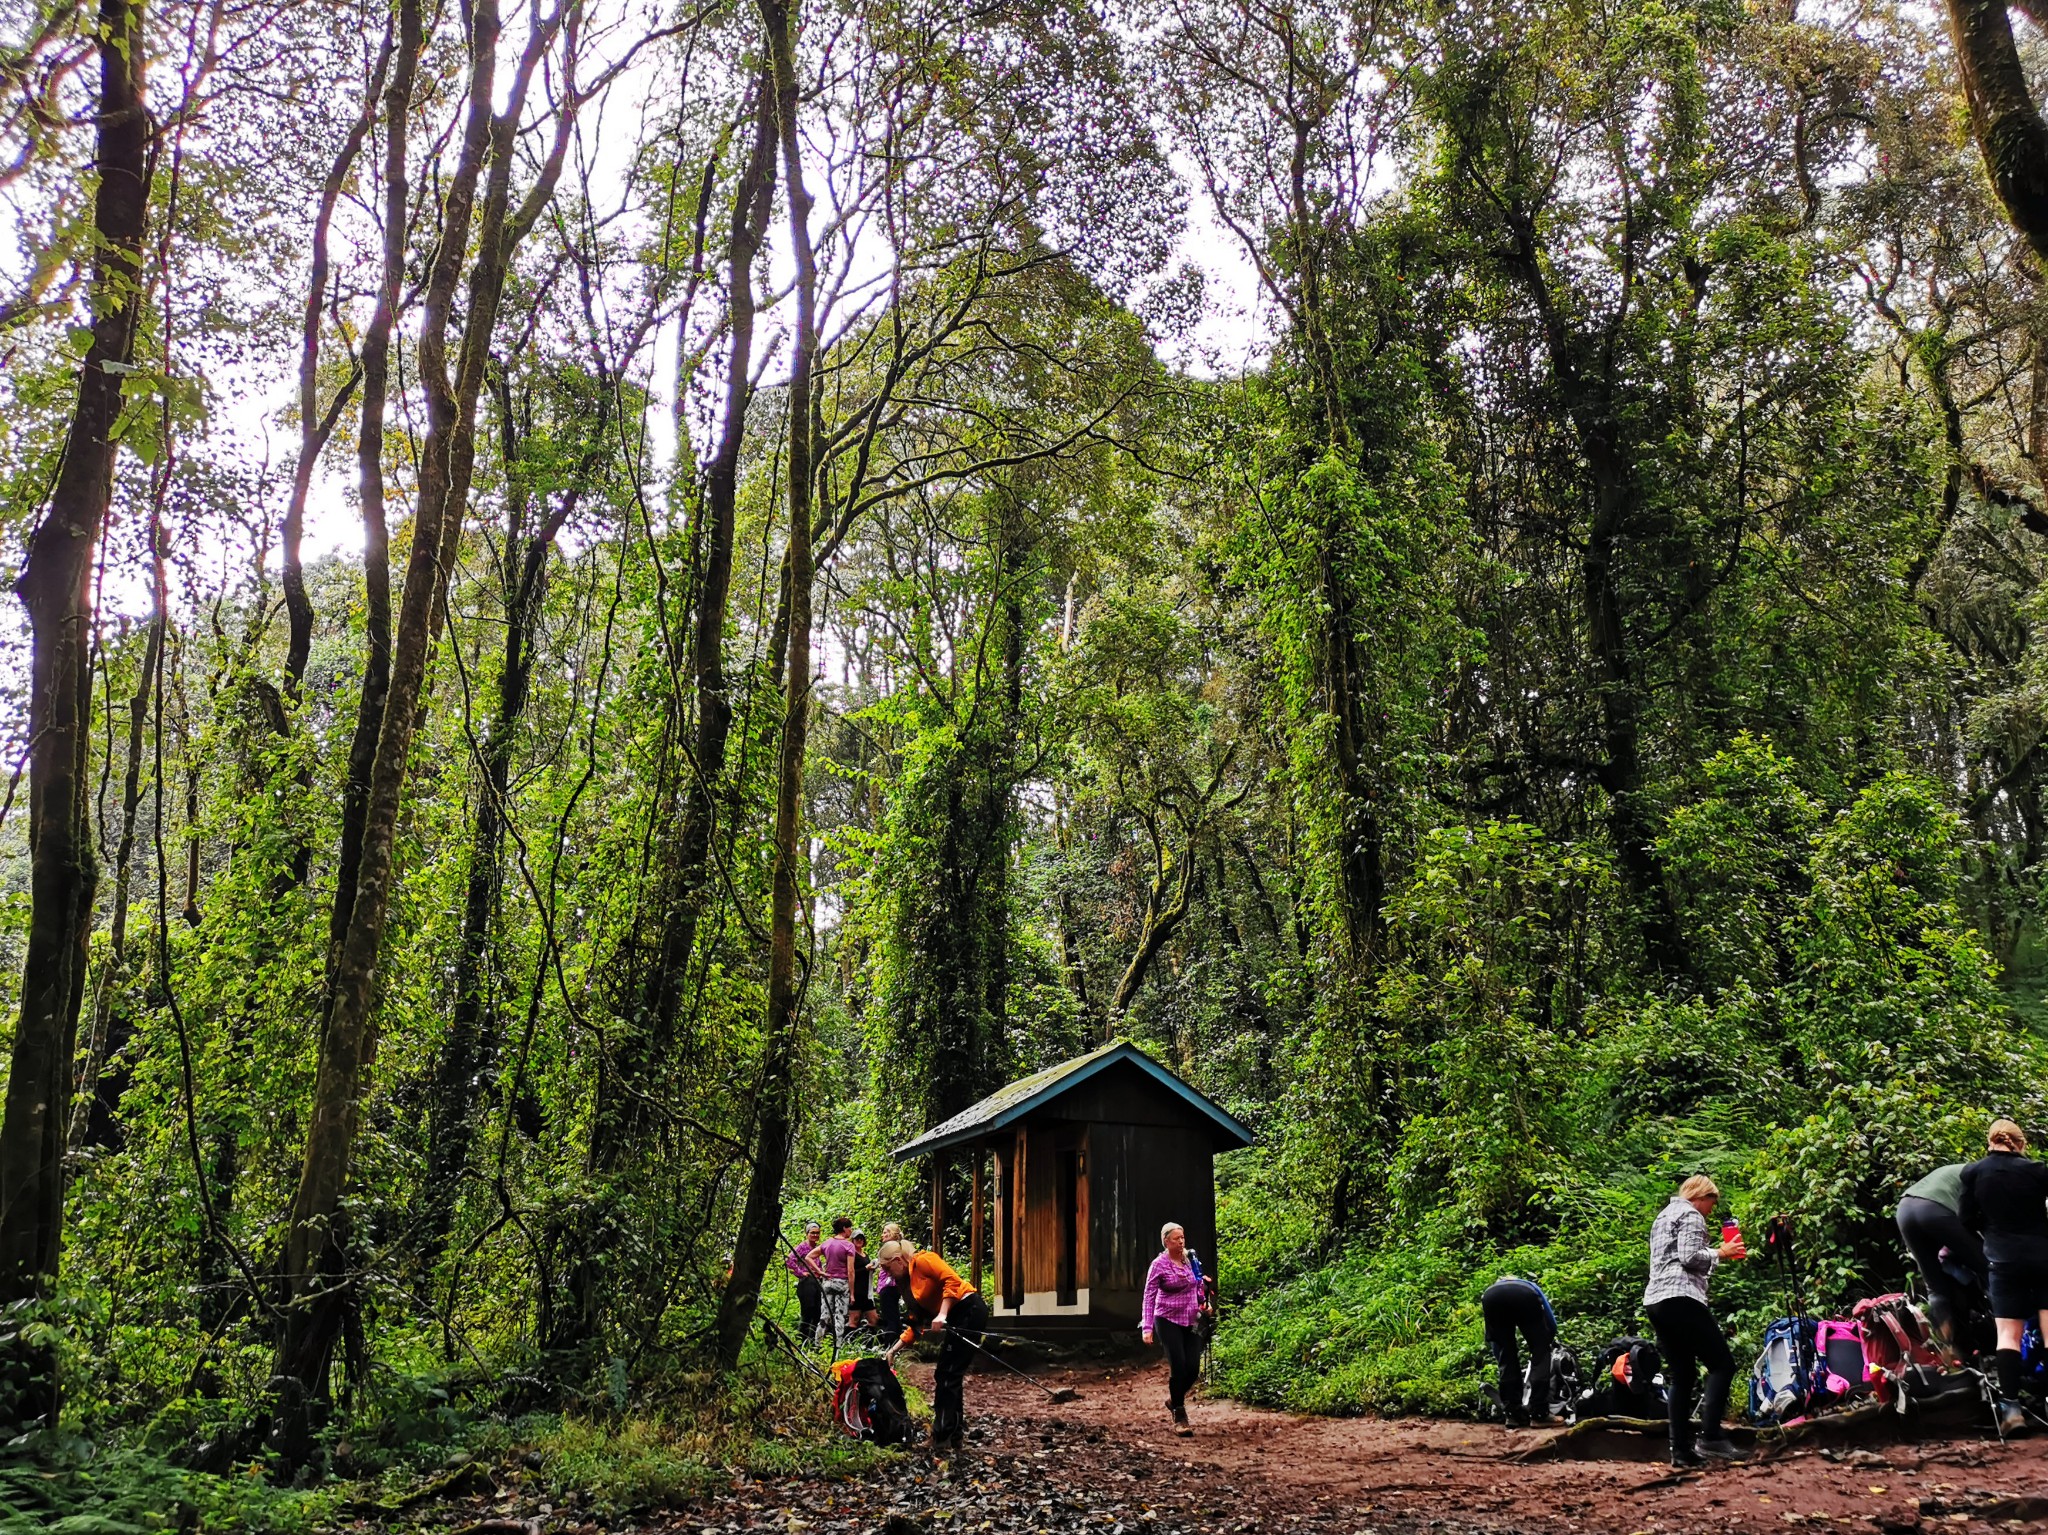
[
  {"x": 1895, "y": 1337},
  {"x": 1564, "y": 1381},
  {"x": 1843, "y": 1368},
  {"x": 1625, "y": 1383},
  {"x": 868, "y": 1402},
  {"x": 1782, "y": 1378}
]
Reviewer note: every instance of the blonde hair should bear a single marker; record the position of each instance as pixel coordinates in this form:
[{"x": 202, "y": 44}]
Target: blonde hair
[
  {"x": 893, "y": 1250},
  {"x": 1168, "y": 1229},
  {"x": 1698, "y": 1186},
  {"x": 891, "y": 1232},
  {"x": 2004, "y": 1135}
]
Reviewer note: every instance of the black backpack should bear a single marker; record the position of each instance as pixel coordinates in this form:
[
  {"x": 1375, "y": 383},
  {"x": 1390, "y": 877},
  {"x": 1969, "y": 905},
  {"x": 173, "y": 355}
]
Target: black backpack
[
  {"x": 881, "y": 1401},
  {"x": 1624, "y": 1383}
]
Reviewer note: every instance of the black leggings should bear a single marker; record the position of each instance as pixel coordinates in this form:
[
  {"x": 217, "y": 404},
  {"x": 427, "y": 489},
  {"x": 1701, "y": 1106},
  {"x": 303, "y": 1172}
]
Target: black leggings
[
  {"x": 1927, "y": 1228},
  {"x": 1690, "y": 1337},
  {"x": 966, "y": 1321},
  {"x": 1183, "y": 1359},
  {"x": 810, "y": 1303},
  {"x": 1511, "y": 1307}
]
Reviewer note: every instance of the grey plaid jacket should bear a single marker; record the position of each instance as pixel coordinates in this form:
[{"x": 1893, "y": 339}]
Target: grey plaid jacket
[{"x": 1682, "y": 1254}]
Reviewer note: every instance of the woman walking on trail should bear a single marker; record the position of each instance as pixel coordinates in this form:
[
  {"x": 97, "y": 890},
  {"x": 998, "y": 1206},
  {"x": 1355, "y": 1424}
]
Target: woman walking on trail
[
  {"x": 1514, "y": 1305},
  {"x": 803, "y": 1261},
  {"x": 1172, "y": 1313},
  {"x": 836, "y": 1299},
  {"x": 1930, "y": 1217},
  {"x": 1683, "y": 1257},
  {"x": 940, "y": 1301},
  {"x": 2004, "y": 1197}
]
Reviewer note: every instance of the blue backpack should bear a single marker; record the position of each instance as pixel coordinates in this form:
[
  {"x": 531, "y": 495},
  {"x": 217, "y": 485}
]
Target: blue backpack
[{"x": 1781, "y": 1383}]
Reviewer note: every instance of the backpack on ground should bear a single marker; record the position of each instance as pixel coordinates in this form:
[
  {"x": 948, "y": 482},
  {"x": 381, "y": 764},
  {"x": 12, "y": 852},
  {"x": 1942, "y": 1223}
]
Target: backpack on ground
[
  {"x": 1844, "y": 1369},
  {"x": 1782, "y": 1378},
  {"x": 1624, "y": 1382},
  {"x": 868, "y": 1401},
  {"x": 1896, "y": 1336},
  {"x": 1564, "y": 1381}
]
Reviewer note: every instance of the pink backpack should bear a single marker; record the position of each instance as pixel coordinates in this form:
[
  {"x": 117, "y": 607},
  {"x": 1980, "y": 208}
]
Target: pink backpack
[{"x": 1841, "y": 1368}]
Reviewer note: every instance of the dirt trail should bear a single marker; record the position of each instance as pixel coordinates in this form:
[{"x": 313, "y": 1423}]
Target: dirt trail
[
  {"x": 1110, "y": 1460},
  {"x": 1109, "y": 1463}
]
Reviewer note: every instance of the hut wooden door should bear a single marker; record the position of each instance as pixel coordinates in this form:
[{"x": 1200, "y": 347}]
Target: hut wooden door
[{"x": 1071, "y": 1196}]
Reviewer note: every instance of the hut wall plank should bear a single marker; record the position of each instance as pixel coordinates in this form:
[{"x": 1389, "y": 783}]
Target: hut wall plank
[{"x": 1123, "y": 1094}]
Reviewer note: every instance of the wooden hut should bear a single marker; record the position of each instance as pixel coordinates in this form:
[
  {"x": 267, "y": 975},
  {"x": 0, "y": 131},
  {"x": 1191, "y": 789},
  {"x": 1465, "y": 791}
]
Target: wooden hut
[{"x": 1090, "y": 1158}]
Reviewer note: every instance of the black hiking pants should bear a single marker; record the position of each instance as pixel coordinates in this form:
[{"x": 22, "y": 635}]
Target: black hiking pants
[
  {"x": 1690, "y": 1337},
  {"x": 810, "y": 1303},
  {"x": 1510, "y": 1308},
  {"x": 966, "y": 1321},
  {"x": 1183, "y": 1348},
  {"x": 1927, "y": 1228}
]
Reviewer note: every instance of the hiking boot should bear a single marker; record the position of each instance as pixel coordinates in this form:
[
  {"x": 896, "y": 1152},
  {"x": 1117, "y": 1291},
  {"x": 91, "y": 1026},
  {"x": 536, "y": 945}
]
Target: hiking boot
[
  {"x": 1181, "y": 1426},
  {"x": 1721, "y": 1447},
  {"x": 1518, "y": 1420},
  {"x": 1685, "y": 1458},
  {"x": 2012, "y": 1418}
]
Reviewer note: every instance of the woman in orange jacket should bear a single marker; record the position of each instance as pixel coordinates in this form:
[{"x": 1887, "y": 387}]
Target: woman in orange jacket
[{"x": 939, "y": 1301}]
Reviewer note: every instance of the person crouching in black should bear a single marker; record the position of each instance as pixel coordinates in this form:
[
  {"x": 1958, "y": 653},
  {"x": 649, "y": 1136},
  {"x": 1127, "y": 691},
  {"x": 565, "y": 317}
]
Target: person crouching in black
[
  {"x": 1513, "y": 1305},
  {"x": 2005, "y": 1200},
  {"x": 1949, "y": 1255}
]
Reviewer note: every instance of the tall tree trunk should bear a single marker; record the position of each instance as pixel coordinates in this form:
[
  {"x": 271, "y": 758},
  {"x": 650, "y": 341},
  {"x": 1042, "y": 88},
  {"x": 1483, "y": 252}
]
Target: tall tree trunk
[
  {"x": 316, "y": 426},
  {"x": 467, "y": 1058},
  {"x": 683, "y": 883},
  {"x": 316, "y": 1279},
  {"x": 91, "y": 1106},
  {"x": 1589, "y": 394},
  {"x": 55, "y": 586},
  {"x": 762, "y": 1216},
  {"x": 2010, "y": 133},
  {"x": 370, "y": 492}
]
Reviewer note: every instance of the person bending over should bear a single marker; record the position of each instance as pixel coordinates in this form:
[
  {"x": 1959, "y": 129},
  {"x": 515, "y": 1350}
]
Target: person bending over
[
  {"x": 939, "y": 1301},
  {"x": 1172, "y": 1318},
  {"x": 1683, "y": 1257},
  {"x": 2004, "y": 1199},
  {"x": 1513, "y": 1305},
  {"x": 1949, "y": 1255}
]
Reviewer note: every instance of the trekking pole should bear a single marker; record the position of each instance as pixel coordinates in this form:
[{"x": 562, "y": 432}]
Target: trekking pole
[
  {"x": 1056, "y": 1393},
  {"x": 1778, "y": 1242}
]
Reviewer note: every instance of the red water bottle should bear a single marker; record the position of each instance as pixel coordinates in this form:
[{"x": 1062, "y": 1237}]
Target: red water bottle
[{"x": 1731, "y": 1231}]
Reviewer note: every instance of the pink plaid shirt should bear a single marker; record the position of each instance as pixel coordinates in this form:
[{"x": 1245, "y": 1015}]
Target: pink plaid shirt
[{"x": 1172, "y": 1294}]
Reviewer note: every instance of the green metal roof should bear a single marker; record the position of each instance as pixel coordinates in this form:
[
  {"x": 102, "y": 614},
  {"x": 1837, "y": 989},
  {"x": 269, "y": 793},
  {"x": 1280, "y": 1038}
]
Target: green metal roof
[{"x": 1007, "y": 1105}]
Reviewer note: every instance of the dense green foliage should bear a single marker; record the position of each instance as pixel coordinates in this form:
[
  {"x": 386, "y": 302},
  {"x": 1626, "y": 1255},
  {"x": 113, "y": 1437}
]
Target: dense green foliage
[{"x": 1563, "y": 716}]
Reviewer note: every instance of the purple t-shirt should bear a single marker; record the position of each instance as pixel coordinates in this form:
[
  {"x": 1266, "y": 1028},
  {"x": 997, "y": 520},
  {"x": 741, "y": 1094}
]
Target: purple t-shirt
[
  {"x": 838, "y": 1255},
  {"x": 795, "y": 1261}
]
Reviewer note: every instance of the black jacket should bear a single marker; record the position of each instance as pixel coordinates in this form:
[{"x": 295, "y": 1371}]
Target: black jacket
[{"x": 2006, "y": 1195}]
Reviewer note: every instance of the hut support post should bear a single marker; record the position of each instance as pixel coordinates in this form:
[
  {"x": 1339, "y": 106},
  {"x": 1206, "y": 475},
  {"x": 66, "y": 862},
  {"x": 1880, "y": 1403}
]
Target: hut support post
[{"x": 974, "y": 1242}]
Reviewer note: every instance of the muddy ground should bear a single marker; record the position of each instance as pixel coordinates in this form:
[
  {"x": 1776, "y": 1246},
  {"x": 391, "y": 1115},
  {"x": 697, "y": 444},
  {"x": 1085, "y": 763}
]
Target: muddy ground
[{"x": 1108, "y": 1463}]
